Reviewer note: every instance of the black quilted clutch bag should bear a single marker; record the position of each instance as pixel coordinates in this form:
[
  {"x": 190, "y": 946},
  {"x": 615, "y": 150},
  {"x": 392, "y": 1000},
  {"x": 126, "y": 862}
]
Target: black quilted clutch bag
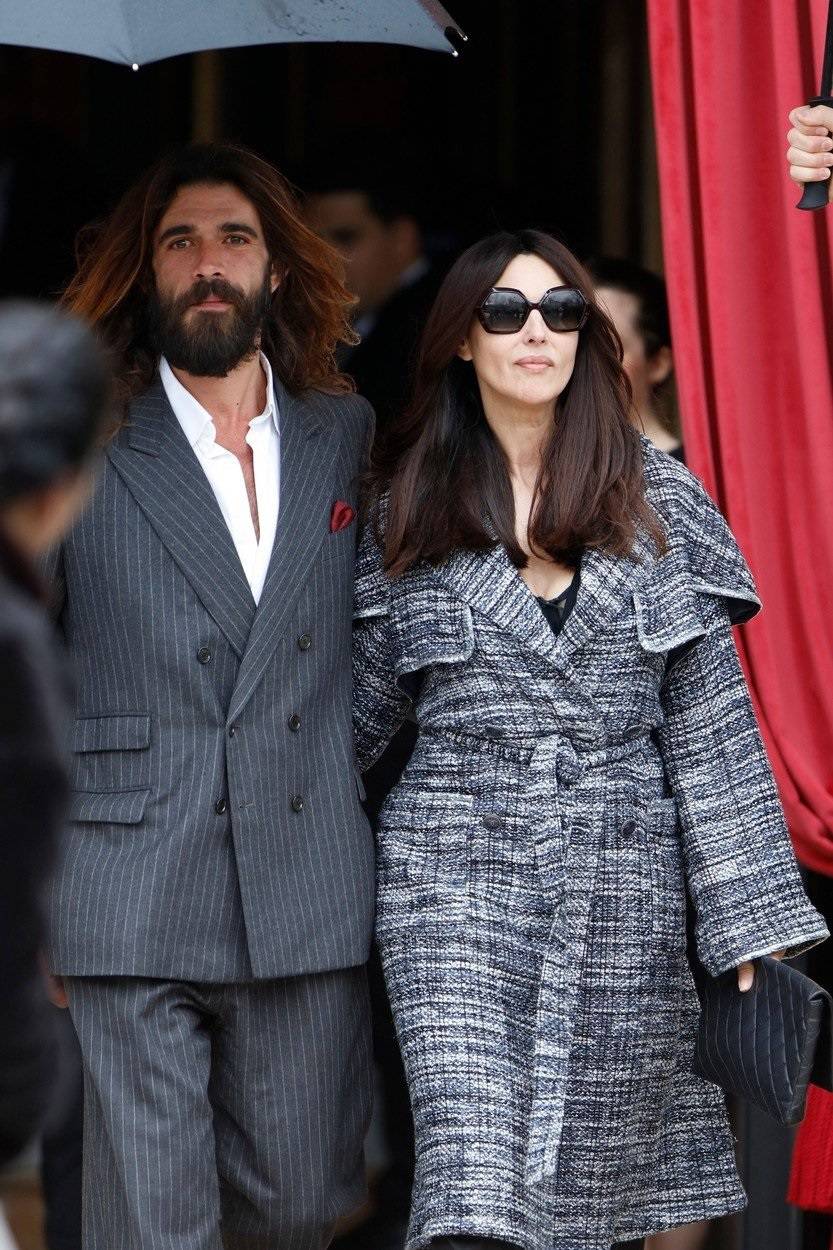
[{"x": 768, "y": 1044}]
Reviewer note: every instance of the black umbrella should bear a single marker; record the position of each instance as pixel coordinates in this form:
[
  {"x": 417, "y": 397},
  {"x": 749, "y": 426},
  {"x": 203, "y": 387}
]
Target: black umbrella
[
  {"x": 815, "y": 193},
  {"x": 134, "y": 32}
]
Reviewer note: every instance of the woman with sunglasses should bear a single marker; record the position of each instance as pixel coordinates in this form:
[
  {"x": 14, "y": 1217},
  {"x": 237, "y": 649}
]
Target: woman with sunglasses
[{"x": 555, "y": 599}]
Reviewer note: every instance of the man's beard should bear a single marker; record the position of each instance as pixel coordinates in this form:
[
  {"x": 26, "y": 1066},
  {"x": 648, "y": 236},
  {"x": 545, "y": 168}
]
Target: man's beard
[{"x": 209, "y": 344}]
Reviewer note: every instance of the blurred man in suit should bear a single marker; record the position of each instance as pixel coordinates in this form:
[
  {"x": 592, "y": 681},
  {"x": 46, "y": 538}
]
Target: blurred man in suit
[
  {"x": 212, "y": 910},
  {"x": 377, "y": 231}
]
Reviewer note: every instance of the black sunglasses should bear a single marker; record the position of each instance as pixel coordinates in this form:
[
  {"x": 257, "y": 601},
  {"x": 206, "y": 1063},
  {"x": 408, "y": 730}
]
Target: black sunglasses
[{"x": 505, "y": 310}]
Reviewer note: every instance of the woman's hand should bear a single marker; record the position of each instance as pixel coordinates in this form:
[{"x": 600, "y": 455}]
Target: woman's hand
[
  {"x": 746, "y": 972},
  {"x": 810, "y": 154}
]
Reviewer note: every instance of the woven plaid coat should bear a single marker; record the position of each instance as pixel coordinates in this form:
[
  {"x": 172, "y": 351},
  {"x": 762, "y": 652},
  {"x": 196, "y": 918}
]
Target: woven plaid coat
[{"x": 532, "y": 863}]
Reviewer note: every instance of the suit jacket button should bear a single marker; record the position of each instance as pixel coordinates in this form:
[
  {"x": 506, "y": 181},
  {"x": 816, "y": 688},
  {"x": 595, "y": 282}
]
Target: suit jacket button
[
  {"x": 297, "y": 802},
  {"x": 628, "y": 829},
  {"x": 305, "y": 642},
  {"x": 221, "y": 807},
  {"x": 491, "y": 821},
  {"x": 204, "y": 655},
  {"x": 294, "y": 722},
  {"x": 232, "y": 730},
  {"x": 493, "y": 731}
]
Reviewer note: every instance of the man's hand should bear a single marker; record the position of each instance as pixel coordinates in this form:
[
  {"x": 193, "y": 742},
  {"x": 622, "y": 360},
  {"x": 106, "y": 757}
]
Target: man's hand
[
  {"x": 810, "y": 154},
  {"x": 746, "y": 972}
]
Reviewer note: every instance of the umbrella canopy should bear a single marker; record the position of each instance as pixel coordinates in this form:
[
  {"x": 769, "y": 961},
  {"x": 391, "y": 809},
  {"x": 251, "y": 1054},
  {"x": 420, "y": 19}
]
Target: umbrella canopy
[{"x": 134, "y": 32}]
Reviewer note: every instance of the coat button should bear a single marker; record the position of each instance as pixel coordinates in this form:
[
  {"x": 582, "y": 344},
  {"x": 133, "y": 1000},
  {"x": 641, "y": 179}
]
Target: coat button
[
  {"x": 294, "y": 722},
  {"x": 232, "y": 730},
  {"x": 204, "y": 655},
  {"x": 297, "y": 802},
  {"x": 492, "y": 821},
  {"x": 305, "y": 642},
  {"x": 492, "y": 731},
  {"x": 628, "y": 829},
  {"x": 221, "y": 807}
]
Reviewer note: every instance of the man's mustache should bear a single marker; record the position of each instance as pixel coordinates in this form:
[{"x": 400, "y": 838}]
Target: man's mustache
[{"x": 207, "y": 288}]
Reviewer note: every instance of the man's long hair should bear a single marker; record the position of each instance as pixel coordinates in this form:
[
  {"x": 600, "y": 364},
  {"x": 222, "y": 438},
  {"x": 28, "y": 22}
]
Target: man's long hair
[{"x": 309, "y": 315}]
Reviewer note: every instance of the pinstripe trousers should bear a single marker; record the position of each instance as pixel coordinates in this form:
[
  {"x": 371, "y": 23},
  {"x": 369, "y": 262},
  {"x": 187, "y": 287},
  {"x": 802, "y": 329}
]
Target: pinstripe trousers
[{"x": 221, "y": 1115}]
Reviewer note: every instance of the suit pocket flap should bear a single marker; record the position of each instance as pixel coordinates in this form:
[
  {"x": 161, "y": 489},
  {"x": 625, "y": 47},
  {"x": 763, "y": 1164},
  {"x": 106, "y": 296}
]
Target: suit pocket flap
[
  {"x": 111, "y": 733},
  {"x": 119, "y": 807}
]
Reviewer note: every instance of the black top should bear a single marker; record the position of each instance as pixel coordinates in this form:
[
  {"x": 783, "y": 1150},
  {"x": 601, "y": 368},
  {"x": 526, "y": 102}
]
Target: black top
[{"x": 558, "y": 609}]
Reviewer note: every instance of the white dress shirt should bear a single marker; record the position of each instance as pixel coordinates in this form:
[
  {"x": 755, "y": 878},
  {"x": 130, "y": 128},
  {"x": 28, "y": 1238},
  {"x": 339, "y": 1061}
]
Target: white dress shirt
[{"x": 225, "y": 473}]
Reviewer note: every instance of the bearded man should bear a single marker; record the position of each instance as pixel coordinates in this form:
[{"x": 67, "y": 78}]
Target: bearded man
[{"x": 212, "y": 910}]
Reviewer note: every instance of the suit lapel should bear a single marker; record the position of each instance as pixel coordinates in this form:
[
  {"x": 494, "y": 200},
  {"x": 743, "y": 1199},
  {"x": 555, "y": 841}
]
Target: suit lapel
[
  {"x": 307, "y": 452},
  {"x": 159, "y": 467},
  {"x": 490, "y": 584}
]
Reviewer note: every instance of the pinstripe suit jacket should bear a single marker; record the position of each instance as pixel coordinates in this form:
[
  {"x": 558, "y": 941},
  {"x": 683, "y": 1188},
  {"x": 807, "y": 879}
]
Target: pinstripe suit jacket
[{"x": 216, "y": 829}]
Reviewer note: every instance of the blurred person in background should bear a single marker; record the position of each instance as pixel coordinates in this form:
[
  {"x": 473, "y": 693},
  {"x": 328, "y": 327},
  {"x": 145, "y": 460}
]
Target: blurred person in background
[
  {"x": 378, "y": 233},
  {"x": 54, "y": 406},
  {"x": 375, "y": 225},
  {"x": 637, "y": 303}
]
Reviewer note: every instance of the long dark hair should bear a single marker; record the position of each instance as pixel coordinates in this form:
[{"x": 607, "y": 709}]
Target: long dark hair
[
  {"x": 310, "y": 309},
  {"x": 444, "y": 471}
]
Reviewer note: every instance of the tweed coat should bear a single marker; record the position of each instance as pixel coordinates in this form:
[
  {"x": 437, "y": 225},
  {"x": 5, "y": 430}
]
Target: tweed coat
[{"x": 531, "y": 875}]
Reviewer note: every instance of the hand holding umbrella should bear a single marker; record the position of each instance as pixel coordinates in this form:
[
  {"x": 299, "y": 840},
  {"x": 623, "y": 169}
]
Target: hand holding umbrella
[
  {"x": 812, "y": 128},
  {"x": 810, "y": 154}
]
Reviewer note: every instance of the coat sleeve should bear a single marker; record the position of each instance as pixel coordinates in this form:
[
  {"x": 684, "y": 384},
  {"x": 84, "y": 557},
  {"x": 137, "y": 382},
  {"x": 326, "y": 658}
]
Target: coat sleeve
[
  {"x": 379, "y": 704},
  {"x": 742, "y": 873}
]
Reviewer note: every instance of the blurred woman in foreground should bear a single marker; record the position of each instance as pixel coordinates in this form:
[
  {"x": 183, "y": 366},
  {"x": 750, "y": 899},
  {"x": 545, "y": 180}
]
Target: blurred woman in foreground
[{"x": 54, "y": 403}]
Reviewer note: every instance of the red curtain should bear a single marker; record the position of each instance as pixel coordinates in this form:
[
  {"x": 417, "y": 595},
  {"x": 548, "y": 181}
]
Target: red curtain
[{"x": 751, "y": 289}]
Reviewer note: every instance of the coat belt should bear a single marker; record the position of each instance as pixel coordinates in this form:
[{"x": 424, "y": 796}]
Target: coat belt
[{"x": 567, "y": 864}]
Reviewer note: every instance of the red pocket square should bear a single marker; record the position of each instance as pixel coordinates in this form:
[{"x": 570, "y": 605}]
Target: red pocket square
[{"x": 342, "y": 516}]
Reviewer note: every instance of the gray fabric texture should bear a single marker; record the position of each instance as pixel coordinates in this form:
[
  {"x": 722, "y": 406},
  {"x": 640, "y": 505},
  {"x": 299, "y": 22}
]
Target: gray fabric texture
[
  {"x": 185, "y": 692},
  {"x": 531, "y": 875},
  {"x": 222, "y": 1115}
]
